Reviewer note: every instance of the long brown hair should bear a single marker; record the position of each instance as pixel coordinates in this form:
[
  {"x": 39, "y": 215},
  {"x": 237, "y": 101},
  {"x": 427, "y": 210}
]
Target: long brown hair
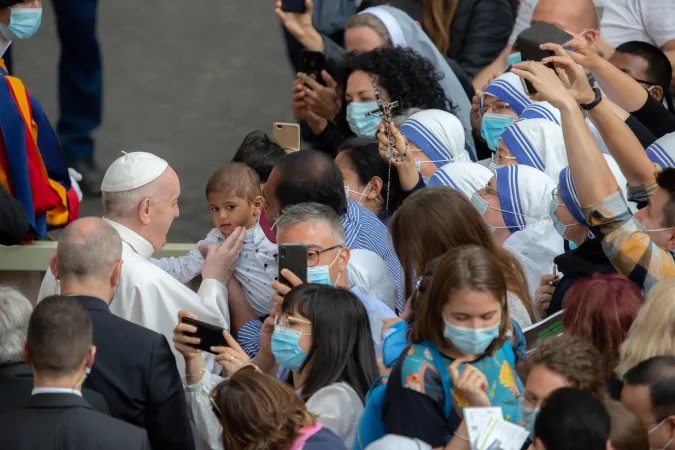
[
  {"x": 469, "y": 267},
  {"x": 437, "y": 219},
  {"x": 437, "y": 16},
  {"x": 258, "y": 412}
]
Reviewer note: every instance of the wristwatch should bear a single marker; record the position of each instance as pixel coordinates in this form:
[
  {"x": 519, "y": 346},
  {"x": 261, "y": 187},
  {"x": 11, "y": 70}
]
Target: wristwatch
[{"x": 594, "y": 103}]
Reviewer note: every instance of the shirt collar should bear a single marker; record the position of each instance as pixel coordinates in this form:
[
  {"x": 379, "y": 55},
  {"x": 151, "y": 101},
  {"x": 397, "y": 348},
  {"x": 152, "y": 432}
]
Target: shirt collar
[
  {"x": 46, "y": 390},
  {"x": 138, "y": 243}
]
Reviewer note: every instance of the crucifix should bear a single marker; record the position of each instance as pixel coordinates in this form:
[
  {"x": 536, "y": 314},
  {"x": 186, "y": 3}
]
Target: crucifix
[{"x": 384, "y": 111}]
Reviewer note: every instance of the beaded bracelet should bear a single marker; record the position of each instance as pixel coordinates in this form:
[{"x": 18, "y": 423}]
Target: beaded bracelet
[{"x": 192, "y": 375}]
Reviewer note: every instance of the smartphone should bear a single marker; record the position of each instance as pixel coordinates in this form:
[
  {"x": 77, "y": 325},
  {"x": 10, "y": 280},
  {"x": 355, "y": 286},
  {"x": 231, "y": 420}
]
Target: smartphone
[
  {"x": 293, "y": 6},
  {"x": 209, "y": 335},
  {"x": 312, "y": 64},
  {"x": 294, "y": 258},
  {"x": 287, "y": 135},
  {"x": 528, "y": 43}
]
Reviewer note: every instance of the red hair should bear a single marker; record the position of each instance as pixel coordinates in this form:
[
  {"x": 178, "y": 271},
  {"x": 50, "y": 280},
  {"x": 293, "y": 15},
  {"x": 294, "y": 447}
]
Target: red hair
[{"x": 601, "y": 310}]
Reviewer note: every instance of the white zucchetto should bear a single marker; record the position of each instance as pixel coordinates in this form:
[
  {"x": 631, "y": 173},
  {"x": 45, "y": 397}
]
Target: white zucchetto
[{"x": 132, "y": 171}]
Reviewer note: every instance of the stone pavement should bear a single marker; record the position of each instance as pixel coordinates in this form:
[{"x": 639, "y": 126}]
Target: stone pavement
[{"x": 186, "y": 80}]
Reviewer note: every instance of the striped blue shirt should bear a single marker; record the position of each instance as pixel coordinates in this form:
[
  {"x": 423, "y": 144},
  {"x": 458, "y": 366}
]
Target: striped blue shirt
[{"x": 363, "y": 230}]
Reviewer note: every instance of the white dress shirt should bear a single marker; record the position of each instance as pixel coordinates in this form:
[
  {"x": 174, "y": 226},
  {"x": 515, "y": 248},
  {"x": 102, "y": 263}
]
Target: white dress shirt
[
  {"x": 255, "y": 271},
  {"x": 53, "y": 390}
]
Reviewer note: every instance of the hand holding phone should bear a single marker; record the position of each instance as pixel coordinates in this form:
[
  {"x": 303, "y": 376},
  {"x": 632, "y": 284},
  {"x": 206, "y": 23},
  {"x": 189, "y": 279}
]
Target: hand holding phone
[
  {"x": 294, "y": 258},
  {"x": 313, "y": 63},
  {"x": 530, "y": 40},
  {"x": 209, "y": 335}
]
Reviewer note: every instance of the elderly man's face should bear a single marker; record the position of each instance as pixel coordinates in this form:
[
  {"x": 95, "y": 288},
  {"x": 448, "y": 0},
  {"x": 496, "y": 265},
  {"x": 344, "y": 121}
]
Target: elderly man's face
[
  {"x": 317, "y": 236},
  {"x": 163, "y": 209},
  {"x": 5, "y": 13}
]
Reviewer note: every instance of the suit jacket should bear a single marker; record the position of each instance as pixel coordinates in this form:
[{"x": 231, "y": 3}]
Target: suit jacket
[
  {"x": 66, "y": 421},
  {"x": 16, "y": 385},
  {"x": 136, "y": 372}
]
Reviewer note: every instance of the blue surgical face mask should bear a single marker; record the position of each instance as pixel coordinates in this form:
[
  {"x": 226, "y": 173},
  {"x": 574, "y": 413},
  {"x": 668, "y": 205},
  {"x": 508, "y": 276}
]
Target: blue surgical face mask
[
  {"x": 23, "y": 23},
  {"x": 471, "y": 341},
  {"x": 358, "y": 122},
  {"x": 557, "y": 224},
  {"x": 321, "y": 274},
  {"x": 482, "y": 205},
  {"x": 492, "y": 126},
  {"x": 514, "y": 58},
  {"x": 530, "y": 417},
  {"x": 286, "y": 348}
]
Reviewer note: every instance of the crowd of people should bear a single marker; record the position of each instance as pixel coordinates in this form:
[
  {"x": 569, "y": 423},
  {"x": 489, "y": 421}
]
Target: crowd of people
[{"x": 487, "y": 199}]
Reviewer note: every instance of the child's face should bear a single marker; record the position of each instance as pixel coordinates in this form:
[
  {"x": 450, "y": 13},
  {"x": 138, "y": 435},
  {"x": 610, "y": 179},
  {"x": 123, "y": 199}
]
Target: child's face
[{"x": 229, "y": 211}]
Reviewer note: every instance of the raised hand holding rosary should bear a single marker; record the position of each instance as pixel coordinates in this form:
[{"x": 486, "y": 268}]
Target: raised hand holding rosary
[{"x": 384, "y": 111}]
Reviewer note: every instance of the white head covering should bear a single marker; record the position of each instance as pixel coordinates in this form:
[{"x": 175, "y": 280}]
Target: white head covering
[
  {"x": 367, "y": 271},
  {"x": 537, "y": 143},
  {"x": 395, "y": 442},
  {"x": 662, "y": 152},
  {"x": 438, "y": 134},
  {"x": 508, "y": 87},
  {"x": 404, "y": 32},
  {"x": 465, "y": 177},
  {"x": 568, "y": 192},
  {"x": 132, "y": 171},
  {"x": 526, "y": 192},
  {"x": 544, "y": 110}
]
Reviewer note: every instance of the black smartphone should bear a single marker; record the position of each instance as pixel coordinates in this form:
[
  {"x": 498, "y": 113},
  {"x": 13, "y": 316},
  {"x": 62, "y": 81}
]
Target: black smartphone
[
  {"x": 209, "y": 335},
  {"x": 293, "y": 6},
  {"x": 312, "y": 64},
  {"x": 528, "y": 43},
  {"x": 294, "y": 258}
]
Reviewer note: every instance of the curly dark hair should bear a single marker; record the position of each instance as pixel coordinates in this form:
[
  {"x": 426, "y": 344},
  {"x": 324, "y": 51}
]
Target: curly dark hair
[{"x": 408, "y": 77}]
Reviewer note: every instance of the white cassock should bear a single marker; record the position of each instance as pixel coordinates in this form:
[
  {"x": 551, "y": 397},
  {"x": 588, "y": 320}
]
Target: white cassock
[{"x": 150, "y": 297}]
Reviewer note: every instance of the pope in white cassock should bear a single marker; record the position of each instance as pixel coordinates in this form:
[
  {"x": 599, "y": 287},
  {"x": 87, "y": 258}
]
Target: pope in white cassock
[{"x": 140, "y": 200}]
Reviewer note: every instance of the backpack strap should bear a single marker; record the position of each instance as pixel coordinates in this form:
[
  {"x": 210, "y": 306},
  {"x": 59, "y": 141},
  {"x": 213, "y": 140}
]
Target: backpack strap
[{"x": 445, "y": 377}]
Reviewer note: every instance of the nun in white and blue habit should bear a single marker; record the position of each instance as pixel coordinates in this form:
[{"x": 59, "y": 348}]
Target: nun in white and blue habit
[{"x": 524, "y": 197}]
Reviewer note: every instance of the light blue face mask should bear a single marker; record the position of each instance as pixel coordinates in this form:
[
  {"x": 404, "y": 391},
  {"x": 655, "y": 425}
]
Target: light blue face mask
[
  {"x": 514, "y": 58},
  {"x": 482, "y": 205},
  {"x": 321, "y": 274},
  {"x": 492, "y": 126},
  {"x": 529, "y": 418},
  {"x": 493, "y": 166},
  {"x": 359, "y": 123},
  {"x": 286, "y": 348},
  {"x": 23, "y": 23},
  {"x": 557, "y": 224},
  {"x": 471, "y": 341}
]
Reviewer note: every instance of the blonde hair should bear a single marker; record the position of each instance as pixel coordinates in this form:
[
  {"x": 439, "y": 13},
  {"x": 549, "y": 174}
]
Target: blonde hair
[{"x": 653, "y": 331}]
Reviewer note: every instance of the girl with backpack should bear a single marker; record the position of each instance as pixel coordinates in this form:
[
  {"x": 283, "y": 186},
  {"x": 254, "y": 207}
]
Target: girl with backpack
[{"x": 462, "y": 316}]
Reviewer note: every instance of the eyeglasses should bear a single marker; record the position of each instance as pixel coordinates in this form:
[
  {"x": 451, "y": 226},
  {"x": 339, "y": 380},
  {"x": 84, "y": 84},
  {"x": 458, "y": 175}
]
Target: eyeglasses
[
  {"x": 490, "y": 191},
  {"x": 497, "y": 107},
  {"x": 500, "y": 155},
  {"x": 313, "y": 255},
  {"x": 284, "y": 320}
]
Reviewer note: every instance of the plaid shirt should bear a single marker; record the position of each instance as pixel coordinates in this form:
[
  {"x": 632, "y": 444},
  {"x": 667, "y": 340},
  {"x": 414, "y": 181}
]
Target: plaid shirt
[{"x": 625, "y": 242}]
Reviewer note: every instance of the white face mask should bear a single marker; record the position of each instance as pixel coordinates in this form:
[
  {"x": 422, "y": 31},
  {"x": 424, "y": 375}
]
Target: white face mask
[{"x": 360, "y": 194}]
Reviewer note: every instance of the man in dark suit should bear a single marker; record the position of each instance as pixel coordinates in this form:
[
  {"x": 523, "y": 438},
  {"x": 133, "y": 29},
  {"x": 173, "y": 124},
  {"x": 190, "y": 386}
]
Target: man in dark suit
[
  {"x": 16, "y": 377},
  {"x": 135, "y": 369},
  {"x": 59, "y": 349}
]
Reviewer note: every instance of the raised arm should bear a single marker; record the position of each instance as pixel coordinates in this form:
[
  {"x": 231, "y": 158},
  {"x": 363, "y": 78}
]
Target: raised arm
[
  {"x": 617, "y": 85},
  {"x": 620, "y": 140},
  {"x": 593, "y": 178}
]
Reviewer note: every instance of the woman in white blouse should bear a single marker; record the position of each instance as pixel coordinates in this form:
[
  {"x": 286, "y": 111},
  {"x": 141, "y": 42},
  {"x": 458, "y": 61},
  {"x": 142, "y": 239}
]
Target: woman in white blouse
[{"x": 322, "y": 336}]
